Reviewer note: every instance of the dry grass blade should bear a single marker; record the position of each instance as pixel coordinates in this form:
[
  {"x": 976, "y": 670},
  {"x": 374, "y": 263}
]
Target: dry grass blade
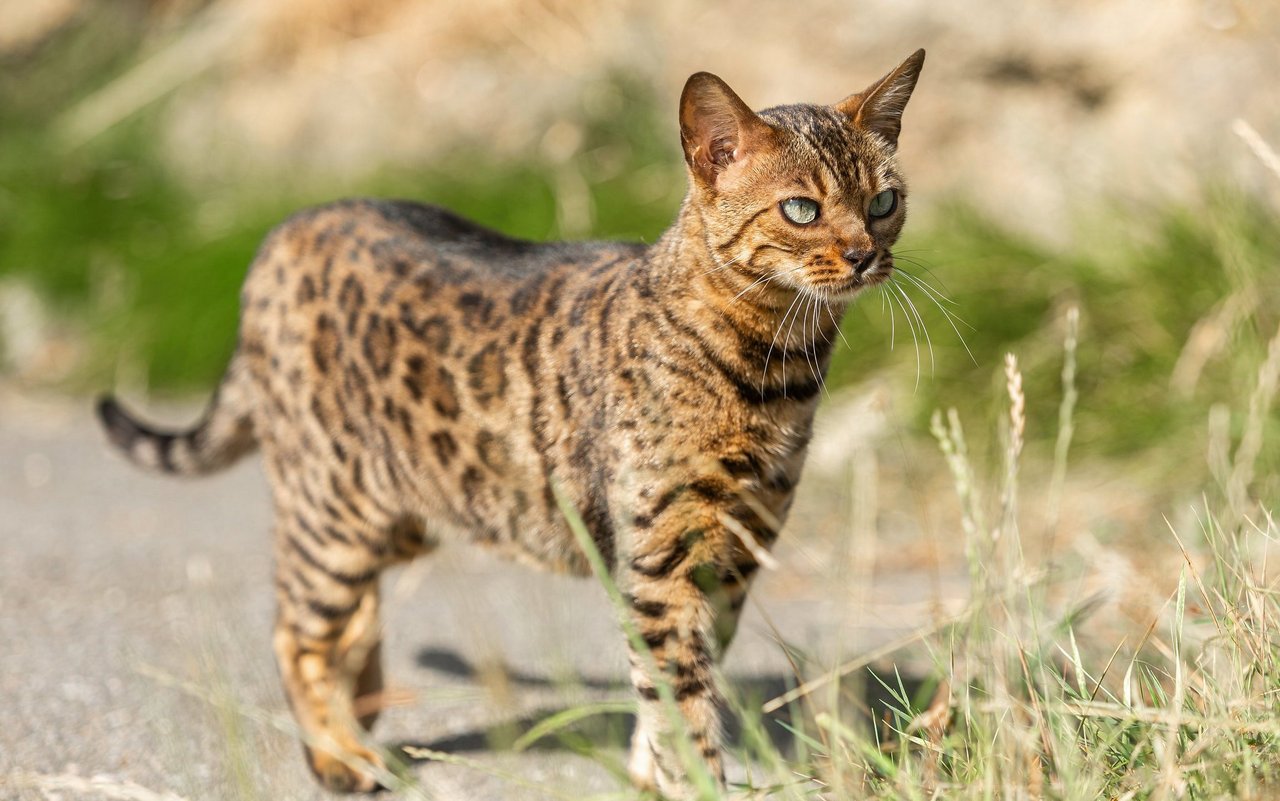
[
  {"x": 199, "y": 49},
  {"x": 420, "y": 752},
  {"x": 1066, "y": 425},
  {"x": 52, "y": 785},
  {"x": 1164, "y": 717},
  {"x": 1017, "y": 435},
  {"x": 1260, "y": 401},
  {"x": 1260, "y": 148},
  {"x": 749, "y": 541}
]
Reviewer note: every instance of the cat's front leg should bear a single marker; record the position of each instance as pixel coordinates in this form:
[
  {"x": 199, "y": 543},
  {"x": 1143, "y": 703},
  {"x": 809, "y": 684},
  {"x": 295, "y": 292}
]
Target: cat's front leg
[{"x": 686, "y": 583}]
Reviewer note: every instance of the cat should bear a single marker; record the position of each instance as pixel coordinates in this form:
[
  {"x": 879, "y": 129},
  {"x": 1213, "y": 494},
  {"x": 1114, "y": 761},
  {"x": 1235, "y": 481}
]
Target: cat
[{"x": 411, "y": 376}]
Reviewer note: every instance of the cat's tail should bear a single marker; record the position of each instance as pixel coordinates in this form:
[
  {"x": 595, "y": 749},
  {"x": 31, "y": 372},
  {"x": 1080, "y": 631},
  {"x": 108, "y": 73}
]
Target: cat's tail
[{"x": 217, "y": 441}]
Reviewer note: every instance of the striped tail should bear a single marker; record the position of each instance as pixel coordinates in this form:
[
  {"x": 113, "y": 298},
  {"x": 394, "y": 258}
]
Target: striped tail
[{"x": 222, "y": 436}]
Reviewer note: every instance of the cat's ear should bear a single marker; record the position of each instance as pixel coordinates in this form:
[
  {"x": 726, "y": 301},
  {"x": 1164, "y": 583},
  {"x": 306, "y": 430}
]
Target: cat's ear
[
  {"x": 716, "y": 128},
  {"x": 879, "y": 107}
]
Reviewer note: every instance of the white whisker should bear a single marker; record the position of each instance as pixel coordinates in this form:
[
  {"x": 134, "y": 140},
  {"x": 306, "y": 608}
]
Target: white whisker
[
  {"x": 911, "y": 325},
  {"x": 818, "y": 306},
  {"x": 840, "y": 330},
  {"x": 719, "y": 267},
  {"x": 893, "y": 318},
  {"x": 950, "y": 317},
  {"x": 810, "y": 358},
  {"x": 933, "y": 365},
  {"x": 764, "y": 376},
  {"x": 753, "y": 285},
  {"x": 917, "y": 262},
  {"x": 786, "y": 344},
  {"x": 928, "y": 287}
]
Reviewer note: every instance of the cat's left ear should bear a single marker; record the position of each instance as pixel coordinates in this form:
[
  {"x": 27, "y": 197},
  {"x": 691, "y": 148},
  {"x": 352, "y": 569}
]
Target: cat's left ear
[
  {"x": 717, "y": 129},
  {"x": 879, "y": 107}
]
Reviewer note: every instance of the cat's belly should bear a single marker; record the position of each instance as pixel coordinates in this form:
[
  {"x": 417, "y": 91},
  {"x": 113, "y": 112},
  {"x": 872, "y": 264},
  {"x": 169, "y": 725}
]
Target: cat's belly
[{"x": 501, "y": 517}]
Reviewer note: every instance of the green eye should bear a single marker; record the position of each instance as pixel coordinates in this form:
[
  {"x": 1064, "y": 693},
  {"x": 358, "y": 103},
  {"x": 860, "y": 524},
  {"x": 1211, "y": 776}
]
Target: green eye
[
  {"x": 883, "y": 203},
  {"x": 800, "y": 210}
]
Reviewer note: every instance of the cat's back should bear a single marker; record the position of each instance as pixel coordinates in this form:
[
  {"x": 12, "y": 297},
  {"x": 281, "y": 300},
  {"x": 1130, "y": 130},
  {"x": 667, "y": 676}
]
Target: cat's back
[
  {"x": 362, "y": 273},
  {"x": 402, "y": 240}
]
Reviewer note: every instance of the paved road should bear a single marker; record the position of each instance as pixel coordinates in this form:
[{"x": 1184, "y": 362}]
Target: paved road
[{"x": 134, "y": 638}]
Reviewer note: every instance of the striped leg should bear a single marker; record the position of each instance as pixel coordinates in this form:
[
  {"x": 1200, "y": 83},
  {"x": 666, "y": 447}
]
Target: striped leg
[
  {"x": 686, "y": 614},
  {"x": 326, "y": 643}
]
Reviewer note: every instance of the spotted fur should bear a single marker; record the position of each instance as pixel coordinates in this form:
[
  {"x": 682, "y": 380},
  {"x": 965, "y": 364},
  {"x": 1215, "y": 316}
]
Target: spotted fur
[{"x": 410, "y": 376}]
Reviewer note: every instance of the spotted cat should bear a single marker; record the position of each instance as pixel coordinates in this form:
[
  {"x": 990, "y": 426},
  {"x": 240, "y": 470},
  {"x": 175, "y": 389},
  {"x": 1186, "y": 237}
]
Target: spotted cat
[{"x": 410, "y": 376}]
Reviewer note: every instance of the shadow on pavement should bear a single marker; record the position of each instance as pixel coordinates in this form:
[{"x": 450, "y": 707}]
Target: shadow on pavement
[{"x": 874, "y": 702}]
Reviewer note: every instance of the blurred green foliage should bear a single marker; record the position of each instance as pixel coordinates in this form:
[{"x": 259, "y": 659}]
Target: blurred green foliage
[
  {"x": 1143, "y": 279},
  {"x": 151, "y": 267}
]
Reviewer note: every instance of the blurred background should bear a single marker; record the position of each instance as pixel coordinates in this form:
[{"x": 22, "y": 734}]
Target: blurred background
[
  {"x": 1116, "y": 157},
  {"x": 1108, "y": 156}
]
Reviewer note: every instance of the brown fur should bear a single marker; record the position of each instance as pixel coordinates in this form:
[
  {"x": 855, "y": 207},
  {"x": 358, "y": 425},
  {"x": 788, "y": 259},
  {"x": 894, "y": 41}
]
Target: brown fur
[{"x": 410, "y": 376}]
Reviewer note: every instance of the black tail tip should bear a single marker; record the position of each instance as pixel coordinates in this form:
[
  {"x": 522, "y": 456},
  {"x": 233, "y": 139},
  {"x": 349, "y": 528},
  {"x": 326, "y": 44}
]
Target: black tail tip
[{"x": 118, "y": 425}]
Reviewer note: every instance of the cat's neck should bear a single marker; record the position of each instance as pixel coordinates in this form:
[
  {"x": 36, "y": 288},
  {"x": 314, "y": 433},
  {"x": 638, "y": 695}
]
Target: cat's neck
[{"x": 696, "y": 279}]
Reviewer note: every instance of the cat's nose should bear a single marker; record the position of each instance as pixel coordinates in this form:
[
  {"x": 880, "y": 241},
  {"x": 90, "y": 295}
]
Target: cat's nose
[{"x": 860, "y": 260}]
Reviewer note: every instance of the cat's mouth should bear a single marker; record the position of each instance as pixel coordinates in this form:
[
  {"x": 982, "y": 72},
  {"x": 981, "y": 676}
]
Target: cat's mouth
[{"x": 846, "y": 287}]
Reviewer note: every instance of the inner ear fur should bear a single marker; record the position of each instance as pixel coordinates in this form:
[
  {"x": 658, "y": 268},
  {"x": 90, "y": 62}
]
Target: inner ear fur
[
  {"x": 879, "y": 107},
  {"x": 716, "y": 127}
]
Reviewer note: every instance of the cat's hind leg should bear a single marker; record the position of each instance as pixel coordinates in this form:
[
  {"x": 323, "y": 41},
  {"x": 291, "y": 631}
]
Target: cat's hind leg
[{"x": 327, "y": 641}]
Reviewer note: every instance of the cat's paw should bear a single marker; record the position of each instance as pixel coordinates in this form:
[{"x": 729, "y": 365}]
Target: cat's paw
[{"x": 343, "y": 774}]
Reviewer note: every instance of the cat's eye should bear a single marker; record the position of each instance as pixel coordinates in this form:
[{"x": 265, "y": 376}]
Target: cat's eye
[
  {"x": 800, "y": 210},
  {"x": 883, "y": 204}
]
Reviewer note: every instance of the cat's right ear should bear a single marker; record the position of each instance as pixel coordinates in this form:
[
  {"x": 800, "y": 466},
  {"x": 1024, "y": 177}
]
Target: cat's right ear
[
  {"x": 879, "y": 107},
  {"x": 717, "y": 129}
]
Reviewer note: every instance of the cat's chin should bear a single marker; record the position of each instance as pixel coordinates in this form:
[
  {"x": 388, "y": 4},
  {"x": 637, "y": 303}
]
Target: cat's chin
[{"x": 847, "y": 290}]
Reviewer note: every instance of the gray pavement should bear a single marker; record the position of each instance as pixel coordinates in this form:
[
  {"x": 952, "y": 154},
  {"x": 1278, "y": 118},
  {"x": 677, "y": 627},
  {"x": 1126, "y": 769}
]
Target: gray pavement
[{"x": 135, "y": 659}]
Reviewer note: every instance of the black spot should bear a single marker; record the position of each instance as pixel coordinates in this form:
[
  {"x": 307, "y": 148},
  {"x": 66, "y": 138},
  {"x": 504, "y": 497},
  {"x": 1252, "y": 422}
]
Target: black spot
[
  {"x": 708, "y": 489},
  {"x": 472, "y": 482},
  {"x": 380, "y": 340},
  {"x": 433, "y": 331},
  {"x": 493, "y": 452},
  {"x": 324, "y": 345},
  {"x": 415, "y": 376},
  {"x": 477, "y": 310},
  {"x": 351, "y": 295},
  {"x": 656, "y": 639},
  {"x": 306, "y": 291},
  {"x": 445, "y": 446},
  {"x": 486, "y": 375}
]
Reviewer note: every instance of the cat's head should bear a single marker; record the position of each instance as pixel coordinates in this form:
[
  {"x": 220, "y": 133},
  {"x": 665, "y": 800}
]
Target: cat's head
[{"x": 807, "y": 195}]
